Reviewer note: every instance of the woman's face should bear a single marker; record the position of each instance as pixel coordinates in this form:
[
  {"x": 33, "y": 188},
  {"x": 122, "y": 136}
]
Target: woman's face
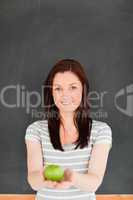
[{"x": 67, "y": 91}]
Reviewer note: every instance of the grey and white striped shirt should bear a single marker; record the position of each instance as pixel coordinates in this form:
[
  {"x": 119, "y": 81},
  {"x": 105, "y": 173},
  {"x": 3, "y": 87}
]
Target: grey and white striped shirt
[{"x": 76, "y": 159}]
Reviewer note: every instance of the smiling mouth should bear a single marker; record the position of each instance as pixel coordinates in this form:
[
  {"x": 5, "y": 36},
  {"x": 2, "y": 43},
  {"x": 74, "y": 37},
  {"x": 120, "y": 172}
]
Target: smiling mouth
[{"x": 65, "y": 103}]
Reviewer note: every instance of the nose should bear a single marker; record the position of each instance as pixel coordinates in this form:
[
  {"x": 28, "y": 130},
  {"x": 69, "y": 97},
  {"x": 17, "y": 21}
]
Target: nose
[{"x": 66, "y": 95}]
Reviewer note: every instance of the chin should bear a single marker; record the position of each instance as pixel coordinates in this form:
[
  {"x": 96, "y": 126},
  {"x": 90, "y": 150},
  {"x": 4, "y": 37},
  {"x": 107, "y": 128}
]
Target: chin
[{"x": 68, "y": 109}]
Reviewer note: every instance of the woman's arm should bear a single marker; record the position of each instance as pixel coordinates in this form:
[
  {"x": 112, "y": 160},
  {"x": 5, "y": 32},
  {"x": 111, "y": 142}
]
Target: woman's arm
[
  {"x": 35, "y": 180},
  {"x": 97, "y": 165},
  {"x": 35, "y": 166}
]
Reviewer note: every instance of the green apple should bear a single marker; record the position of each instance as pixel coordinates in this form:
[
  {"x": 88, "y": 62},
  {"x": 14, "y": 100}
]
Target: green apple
[{"x": 53, "y": 172}]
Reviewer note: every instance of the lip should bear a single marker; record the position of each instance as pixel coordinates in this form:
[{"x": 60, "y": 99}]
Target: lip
[{"x": 65, "y": 103}]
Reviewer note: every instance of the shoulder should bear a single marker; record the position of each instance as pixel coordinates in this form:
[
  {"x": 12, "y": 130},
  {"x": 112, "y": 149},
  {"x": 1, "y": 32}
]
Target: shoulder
[
  {"x": 101, "y": 133},
  {"x": 39, "y": 124},
  {"x": 36, "y": 129},
  {"x": 98, "y": 125}
]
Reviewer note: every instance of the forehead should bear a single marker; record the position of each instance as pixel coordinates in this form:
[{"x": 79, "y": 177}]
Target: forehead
[{"x": 65, "y": 78}]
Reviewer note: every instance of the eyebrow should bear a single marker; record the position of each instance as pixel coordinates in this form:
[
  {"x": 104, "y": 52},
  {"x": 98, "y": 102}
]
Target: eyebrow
[{"x": 69, "y": 84}]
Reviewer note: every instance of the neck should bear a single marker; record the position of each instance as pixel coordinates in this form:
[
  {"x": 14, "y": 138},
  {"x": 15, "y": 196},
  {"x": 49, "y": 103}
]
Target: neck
[{"x": 67, "y": 120}]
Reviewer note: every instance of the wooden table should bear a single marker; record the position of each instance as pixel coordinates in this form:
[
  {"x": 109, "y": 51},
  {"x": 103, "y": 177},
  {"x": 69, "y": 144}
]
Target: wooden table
[{"x": 98, "y": 197}]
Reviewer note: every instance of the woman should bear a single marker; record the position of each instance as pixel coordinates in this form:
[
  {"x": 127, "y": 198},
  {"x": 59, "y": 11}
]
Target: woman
[{"x": 67, "y": 137}]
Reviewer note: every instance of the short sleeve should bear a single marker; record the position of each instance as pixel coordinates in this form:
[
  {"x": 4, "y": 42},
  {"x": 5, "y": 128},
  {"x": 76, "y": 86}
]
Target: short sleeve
[
  {"x": 32, "y": 132},
  {"x": 104, "y": 135}
]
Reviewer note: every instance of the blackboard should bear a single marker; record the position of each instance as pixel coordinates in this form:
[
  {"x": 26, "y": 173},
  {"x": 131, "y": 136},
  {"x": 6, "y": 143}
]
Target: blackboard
[{"x": 34, "y": 34}]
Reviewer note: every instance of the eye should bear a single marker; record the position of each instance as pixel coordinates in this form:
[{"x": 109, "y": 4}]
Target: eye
[
  {"x": 57, "y": 89},
  {"x": 73, "y": 87}
]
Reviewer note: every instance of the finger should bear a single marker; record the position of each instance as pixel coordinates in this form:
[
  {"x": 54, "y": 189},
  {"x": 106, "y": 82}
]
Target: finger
[
  {"x": 67, "y": 184},
  {"x": 59, "y": 185},
  {"x": 54, "y": 183},
  {"x": 49, "y": 183},
  {"x": 64, "y": 184}
]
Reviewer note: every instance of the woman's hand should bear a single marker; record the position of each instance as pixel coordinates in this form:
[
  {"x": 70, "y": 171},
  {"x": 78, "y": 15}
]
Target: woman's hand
[
  {"x": 67, "y": 181},
  {"x": 50, "y": 184}
]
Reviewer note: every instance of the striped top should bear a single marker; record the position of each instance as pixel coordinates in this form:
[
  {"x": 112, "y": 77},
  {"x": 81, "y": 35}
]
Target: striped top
[{"x": 76, "y": 159}]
